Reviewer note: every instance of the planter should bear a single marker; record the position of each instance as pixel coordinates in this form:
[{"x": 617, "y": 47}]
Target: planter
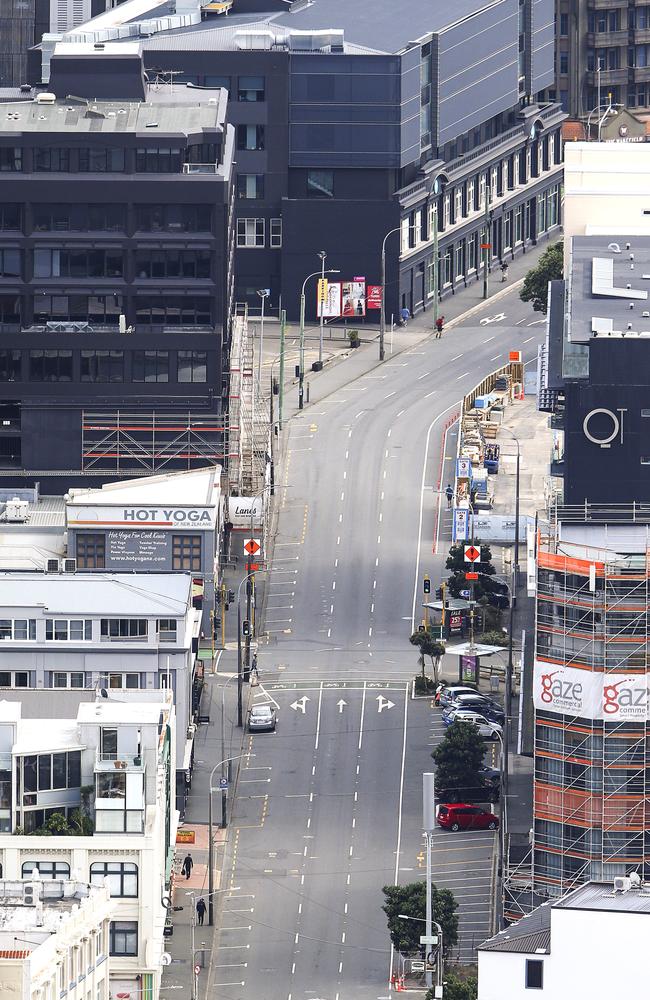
[
  {"x": 317, "y": 366},
  {"x": 355, "y": 342}
]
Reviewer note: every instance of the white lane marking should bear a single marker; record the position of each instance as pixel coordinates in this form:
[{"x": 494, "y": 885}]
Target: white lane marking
[
  {"x": 382, "y": 495},
  {"x": 370, "y": 632},
  {"x": 340, "y": 518},
  {"x": 424, "y": 374},
  {"x": 347, "y": 454},
  {"x": 374, "y": 584},
  {"x": 422, "y": 489},
  {"x": 333, "y": 584},
  {"x": 457, "y": 358},
  {"x": 271, "y": 698},
  {"x": 276, "y": 621},
  {"x": 345, "y": 475},
  {"x": 363, "y": 709},
  {"x": 529, "y": 340},
  {"x": 342, "y": 496},
  {"x": 488, "y": 340},
  {"x": 356, "y": 417},
  {"x": 381, "y": 518},
  {"x": 401, "y": 412},
  {"x": 372, "y": 609},
  {"x": 336, "y": 563},
  {"x": 338, "y": 540},
  {"x": 431, "y": 393},
  {"x": 390, "y": 431},
  {"x": 378, "y": 539},
  {"x": 320, "y": 698},
  {"x": 495, "y": 358},
  {"x": 350, "y": 433},
  {"x": 331, "y": 609},
  {"x": 390, "y": 394},
  {"x": 340, "y": 969},
  {"x": 278, "y": 607},
  {"x": 459, "y": 377}
]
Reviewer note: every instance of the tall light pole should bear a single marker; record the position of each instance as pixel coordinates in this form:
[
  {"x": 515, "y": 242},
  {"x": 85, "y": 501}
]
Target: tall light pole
[
  {"x": 435, "y": 941},
  {"x": 210, "y": 836},
  {"x": 434, "y": 223},
  {"x": 301, "y": 373},
  {"x": 323, "y": 257},
  {"x": 382, "y": 311},
  {"x": 428, "y": 824},
  {"x": 263, "y": 293},
  {"x": 193, "y": 894},
  {"x": 240, "y": 676}
]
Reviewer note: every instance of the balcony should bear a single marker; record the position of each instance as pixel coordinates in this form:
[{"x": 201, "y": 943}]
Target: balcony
[
  {"x": 118, "y": 762},
  {"x": 609, "y": 78},
  {"x": 607, "y": 39},
  {"x": 557, "y": 467},
  {"x": 200, "y": 168}
]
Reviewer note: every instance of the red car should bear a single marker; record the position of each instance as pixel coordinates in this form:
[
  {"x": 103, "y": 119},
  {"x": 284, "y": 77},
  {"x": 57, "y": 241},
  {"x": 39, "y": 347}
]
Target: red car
[{"x": 463, "y": 816}]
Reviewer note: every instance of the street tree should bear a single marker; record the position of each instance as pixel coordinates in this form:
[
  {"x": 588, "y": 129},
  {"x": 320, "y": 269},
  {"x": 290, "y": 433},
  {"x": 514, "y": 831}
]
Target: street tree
[
  {"x": 458, "y": 758},
  {"x": 411, "y": 900},
  {"x": 457, "y": 988},
  {"x": 430, "y": 646},
  {"x": 549, "y": 268},
  {"x": 486, "y": 589}
]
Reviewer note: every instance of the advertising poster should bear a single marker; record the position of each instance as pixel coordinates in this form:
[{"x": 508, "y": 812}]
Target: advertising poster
[
  {"x": 353, "y": 299},
  {"x": 373, "y": 300},
  {"x": 570, "y": 691},
  {"x": 331, "y": 306},
  {"x": 461, "y": 517}
]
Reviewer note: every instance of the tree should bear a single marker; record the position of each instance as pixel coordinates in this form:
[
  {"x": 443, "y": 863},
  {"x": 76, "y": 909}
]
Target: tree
[
  {"x": 411, "y": 900},
  {"x": 495, "y": 639},
  {"x": 549, "y": 268},
  {"x": 457, "y": 988},
  {"x": 486, "y": 590},
  {"x": 429, "y": 646},
  {"x": 458, "y": 758}
]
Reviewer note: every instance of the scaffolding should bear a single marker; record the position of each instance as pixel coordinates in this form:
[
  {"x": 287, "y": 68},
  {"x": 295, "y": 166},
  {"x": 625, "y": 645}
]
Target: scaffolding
[
  {"x": 591, "y": 771},
  {"x": 248, "y": 424},
  {"x": 120, "y": 441}
]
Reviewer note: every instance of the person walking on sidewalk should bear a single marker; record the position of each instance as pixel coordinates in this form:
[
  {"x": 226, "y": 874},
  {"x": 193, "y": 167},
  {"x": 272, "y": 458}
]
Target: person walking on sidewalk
[
  {"x": 449, "y": 493},
  {"x": 504, "y": 270},
  {"x": 188, "y": 865},
  {"x": 404, "y": 316},
  {"x": 200, "y": 911},
  {"x": 440, "y": 323}
]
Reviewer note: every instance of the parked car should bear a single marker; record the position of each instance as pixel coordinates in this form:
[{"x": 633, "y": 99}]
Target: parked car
[
  {"x": 488, "y": 708},
  {"x": 489, "y": 730},
  {"x": 490, "y": 775},
  {"x": 464, "y": 816},
  {"x": 448, "y": 694},
  {"x": 262, "y": 718}
]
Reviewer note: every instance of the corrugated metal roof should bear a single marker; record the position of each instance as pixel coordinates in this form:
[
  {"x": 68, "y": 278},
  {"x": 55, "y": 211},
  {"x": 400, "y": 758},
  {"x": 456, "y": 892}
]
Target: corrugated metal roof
[
  {"x": 530, "y": 933},
  {"x": 108, "y": 117},
  {"x": 94, "y": 594},
  {"x": 601, "y": 896}
]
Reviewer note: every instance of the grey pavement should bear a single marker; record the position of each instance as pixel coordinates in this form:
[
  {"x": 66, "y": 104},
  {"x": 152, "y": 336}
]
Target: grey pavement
[{"x": 319, "y": 801}]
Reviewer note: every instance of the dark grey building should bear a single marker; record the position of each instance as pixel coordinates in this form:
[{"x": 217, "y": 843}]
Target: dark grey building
[
  {"x": 353, "y": 120},
  {"x": 115, "y": 282}
]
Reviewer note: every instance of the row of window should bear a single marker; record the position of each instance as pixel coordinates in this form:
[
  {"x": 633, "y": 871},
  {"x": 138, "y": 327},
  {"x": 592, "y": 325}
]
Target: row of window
[
  {"x": 638, "y": 56},
  {"x": 81, "y": 629},
  {"x": 150, "y": 310},
  {"x": 108, "y": 218},
  {"x": 252, "y": 232},
  {"x": 247, "y": 88},
  {"x": 105, "y": 159},
  {"x": 76, "y": 679},
  {"x": 186, "y": 555},
  {"x": 83, "y": 262},
  {"x": 58, "y": 365}
]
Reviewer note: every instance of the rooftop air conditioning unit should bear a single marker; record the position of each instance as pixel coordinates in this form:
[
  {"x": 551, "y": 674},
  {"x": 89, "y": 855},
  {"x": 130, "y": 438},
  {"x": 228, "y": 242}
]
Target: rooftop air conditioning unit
[
  {"x": 29, "y": 898},
  {"x": 52, "y": 566},
  {"x": 45, "y": 98},
  {"x": 69, "y": 565},
  {"x": 17, "y": 510},
  {"x": 622, "y": 883}
]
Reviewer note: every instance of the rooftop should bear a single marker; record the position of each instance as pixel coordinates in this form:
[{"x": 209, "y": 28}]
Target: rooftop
[
  {"x": 59, "y": 902},
  {"x": 603, "y": 896},
  {"x": 199, "y": 487},
  {"x": 97, "y": 593},
  {"x": 610, "y": 282},
  {"x": 180, "y": 111},
  {"x": 531, "y": 935}
]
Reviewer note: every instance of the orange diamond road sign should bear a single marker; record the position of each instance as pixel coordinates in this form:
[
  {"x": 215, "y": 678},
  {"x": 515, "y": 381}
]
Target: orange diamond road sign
[
  {"x": 471, "y": 554},
  {"x": 251, "y": 546}
]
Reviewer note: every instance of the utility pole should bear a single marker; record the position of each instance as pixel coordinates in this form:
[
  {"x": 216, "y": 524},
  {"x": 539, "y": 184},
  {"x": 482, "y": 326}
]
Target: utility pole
[
  {"x": 434, "y": 220},
  {"x": 301, "y": 374},
  {"x": 487, "y": 244},
  {"x": 323, "y": 258},
  {"x": 283, "y": 324},
  {"x": 428, "y": 824}
]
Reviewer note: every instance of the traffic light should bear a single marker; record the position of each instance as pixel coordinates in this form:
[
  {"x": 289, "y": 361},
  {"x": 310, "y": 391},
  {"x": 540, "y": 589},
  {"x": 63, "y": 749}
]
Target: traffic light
[
  {"x": 427, "y": 585},
  {"x": 438, "y": 593},
  {"x": 231, "y": 597},
  {"x": 297, "y": 371},
  {"x": 276, "y": 387},
  {"x": 245, "y": 628}
]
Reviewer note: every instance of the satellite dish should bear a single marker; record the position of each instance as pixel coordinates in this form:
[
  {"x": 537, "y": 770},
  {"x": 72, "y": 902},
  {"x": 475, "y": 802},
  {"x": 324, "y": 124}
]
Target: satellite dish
[
  {"x": 165, "y": 958},
  {"x": 104, "y": 693}
]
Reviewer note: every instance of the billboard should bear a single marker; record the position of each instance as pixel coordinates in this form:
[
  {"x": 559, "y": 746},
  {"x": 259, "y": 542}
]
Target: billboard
[
  {"x": 344, "y": 299},
  {"x": 617, "y": 697},
  {"x": 143, "y": 516},
  {"x": 331, "y": 304},
  {"x": 373, "y": 297}
]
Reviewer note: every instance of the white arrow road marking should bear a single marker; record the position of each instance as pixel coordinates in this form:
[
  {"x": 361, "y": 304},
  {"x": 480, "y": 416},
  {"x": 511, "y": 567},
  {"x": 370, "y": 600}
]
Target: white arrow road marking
[
  {"x": 492, "y": 319},
  {"x": 384, "y": 703},
  {"x": 341, "y": 705},
  {"x": 300, "y": 704}
]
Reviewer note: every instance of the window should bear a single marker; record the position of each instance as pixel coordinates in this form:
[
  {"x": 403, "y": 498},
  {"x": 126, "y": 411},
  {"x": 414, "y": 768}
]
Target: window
[
  {"x": 564, "y": 63},
  {"x": 116, "y": 629},
  {"x": 68, "y": 629},
  {"x": 250, "y": 232},
  {"x": 250, "y": 137},
  {"x": 216, "y": 81},
  {"x": 122, "y": 877},
  {"x": 81, "y": 263},
  {"x": 165, "y": 160},
  {"x": 86, "y": 308},
  {"x": 174, "y": 310},
  {"x": 167, "y": 629},
  {"x": 123, "y": 937},
  {"x": 9, "y": 309},
  {"x": 111, "y": 784},
  {"x": 102, "y": 366},
  {"x": 564, "y": 24},
  {"x": 320, "y": 183},
  {"x": 50, "y": 366},
  {"x": 11, "y": 158},
  {"x": 71, "y": 680},
  {"x": 534, "y": 974},
  {"x": 51, "y": 159},
  {"x": 192, "y": 366},
  {"x": 17, "y": 628},
  {"x": 14, "y": 678},
  {"x": 250, "y": 88},
  {"x": 123, "y": 681},
  {"x": 186, "y": 552},
  {"x": 250, "y": 186},
  {"x": 98, "y": 160},
  {"x": 151, "y": 366},
  {"x": 10, "y": 218},
  {"x": 173, "y": 264},
  {"x": 276, "y": 232},
  {"x": 91, "y": 551},
  {"x": 173, "y": 218},
  {"x": 46, "y": 869},
  {"x": 10, "y": 263}
]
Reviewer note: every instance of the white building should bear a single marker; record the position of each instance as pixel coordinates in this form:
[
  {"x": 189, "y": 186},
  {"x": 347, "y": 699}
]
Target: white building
[
  {"x": 592, "y": 943},
  {"x": 109, "y": 773},
  {"x": 54, "y": 940}
]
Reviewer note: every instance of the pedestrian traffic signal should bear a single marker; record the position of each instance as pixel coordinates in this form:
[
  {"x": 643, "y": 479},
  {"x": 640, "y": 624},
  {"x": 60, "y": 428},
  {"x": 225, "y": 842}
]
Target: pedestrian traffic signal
[
  {"x": 246, "y": 628},
  {"x": 297, "y": 371},
  {"x": 231, "y": 597},
  {"x": 427, "y": 585}
]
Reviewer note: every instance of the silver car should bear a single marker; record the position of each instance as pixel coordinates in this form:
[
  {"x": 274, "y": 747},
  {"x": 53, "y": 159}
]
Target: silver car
[{"x": 261, "y": 718}]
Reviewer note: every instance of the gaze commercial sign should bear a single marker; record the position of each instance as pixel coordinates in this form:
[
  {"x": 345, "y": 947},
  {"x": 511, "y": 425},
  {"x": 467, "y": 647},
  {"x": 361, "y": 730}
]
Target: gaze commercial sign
[{"x": 620, "y": 696}]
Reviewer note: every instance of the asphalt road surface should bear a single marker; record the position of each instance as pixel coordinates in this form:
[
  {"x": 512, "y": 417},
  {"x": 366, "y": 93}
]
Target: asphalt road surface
[{"x": 329, "y": 808}]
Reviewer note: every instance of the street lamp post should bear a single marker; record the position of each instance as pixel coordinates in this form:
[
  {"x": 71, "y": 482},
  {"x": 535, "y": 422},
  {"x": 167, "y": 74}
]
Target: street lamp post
[
  {"x": 301, "y": 373},
  {"x": 240, "y": 678},
  {"x": 210, "y": 835},
  {"x": 193, "y": 894},
  {"x": 440, "y": 949},
  {"x": 263, "y": 293},
  {"x": 323, "y": 257},
  {"x": 382, "y": 312}
]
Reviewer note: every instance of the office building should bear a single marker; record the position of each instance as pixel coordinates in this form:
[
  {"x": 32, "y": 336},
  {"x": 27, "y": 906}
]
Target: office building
[
  {"x": 352, "y": 123},
  {"x": 54, "y": 938},
  {"x": 551, "y": 952},
  {"x": 90, "y": 797},
  {"x": 114, "y": 282}
]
